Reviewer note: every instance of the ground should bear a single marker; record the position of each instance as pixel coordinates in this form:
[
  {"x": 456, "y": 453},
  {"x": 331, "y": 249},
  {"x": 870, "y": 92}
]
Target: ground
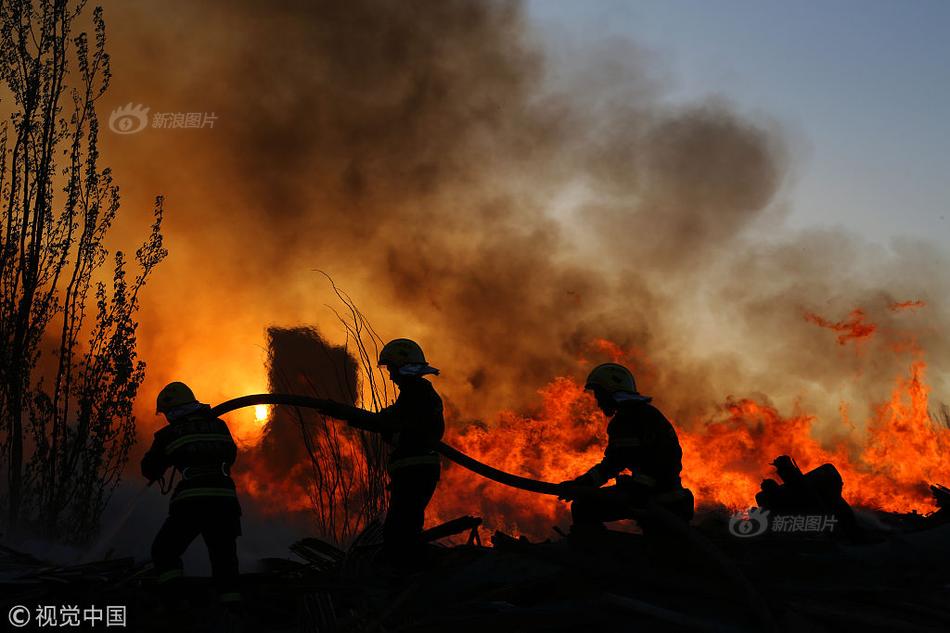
[{"x": 618, "y": 581}]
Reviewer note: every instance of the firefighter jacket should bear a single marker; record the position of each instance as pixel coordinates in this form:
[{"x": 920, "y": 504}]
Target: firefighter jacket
[
  {"x": 639, "y": 439},
  {"x": 200, "y": 447},
  {"x": 413, "y": 424}
]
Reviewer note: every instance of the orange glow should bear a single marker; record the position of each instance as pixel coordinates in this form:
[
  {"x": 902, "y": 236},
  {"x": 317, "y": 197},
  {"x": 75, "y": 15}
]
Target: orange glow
[
  {"x": 261, "y": 412},
  {"x": 886, "y": 463},
  {"x": 564, "y": 438},
  {"x": 274, "y": 495},
  {"x": 614, "y": 352},
  {"x": 907, "y": 305},
  {"x": 854, "y": 328},
  {"x": 889, "y": 466}
]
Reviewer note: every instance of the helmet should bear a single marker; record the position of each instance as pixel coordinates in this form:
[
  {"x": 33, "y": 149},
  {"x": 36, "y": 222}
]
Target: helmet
[
  {"x": 175, "y": 394},
  {"x": 401, "y": 351},
  {"x": 612, "y": 378}
]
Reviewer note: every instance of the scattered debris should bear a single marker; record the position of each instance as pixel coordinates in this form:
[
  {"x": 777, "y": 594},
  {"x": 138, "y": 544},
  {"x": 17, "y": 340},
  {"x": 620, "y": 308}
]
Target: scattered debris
[
  {"x": 616, "y": 582},
  {"x": 451, "y": 528}
]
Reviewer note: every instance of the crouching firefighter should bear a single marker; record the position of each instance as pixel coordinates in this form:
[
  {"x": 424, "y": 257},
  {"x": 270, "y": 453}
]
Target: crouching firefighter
[
  {"x": 199, "y": 446},
  {"x": 639, "y": 439},
  {"x": 413, "y": 425}
]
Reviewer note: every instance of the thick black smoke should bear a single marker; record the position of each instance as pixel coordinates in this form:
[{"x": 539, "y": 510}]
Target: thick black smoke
[{"x": 470, "y": 195}]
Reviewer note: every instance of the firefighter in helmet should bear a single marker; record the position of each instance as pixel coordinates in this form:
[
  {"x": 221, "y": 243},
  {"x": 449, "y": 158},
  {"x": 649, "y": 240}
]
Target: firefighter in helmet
[
  {"x": 413, "y": 425},
  {"x": 200, "y": 447},
  {"x": 639, "y": 439}
]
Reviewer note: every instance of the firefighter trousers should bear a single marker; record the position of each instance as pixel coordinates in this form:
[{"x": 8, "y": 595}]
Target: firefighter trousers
[
  {"x": 218, "y": 521},
  {"x": 410, "y": 490},
  {"x": 614, "y": 503}
]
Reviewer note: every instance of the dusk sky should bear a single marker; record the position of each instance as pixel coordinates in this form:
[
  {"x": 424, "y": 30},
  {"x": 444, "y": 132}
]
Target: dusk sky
[{"x": 861, "y": 88}]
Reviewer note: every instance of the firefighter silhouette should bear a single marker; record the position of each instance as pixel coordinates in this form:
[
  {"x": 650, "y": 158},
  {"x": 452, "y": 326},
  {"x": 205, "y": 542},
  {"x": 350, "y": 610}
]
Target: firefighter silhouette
[
  {"x": 200, "y": 447},
  {"x": 641, "y": 440},
  {"x": 414, "y": 425}
]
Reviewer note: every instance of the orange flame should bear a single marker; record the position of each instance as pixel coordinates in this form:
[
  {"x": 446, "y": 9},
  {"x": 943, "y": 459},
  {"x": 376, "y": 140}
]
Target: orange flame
[
  {"x": 611, "y": 350},
  {"x": 907, "y": 305},
  {"x": 888, "y": 467},
  {"x": 725, "y": 458},
  {"x": 854, "y": 328},
  {"x": 886, "y": 464}
]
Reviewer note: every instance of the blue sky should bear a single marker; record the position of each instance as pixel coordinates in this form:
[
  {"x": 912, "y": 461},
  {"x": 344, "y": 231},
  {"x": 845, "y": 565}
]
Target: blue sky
[{"x": 861, "y": 87}]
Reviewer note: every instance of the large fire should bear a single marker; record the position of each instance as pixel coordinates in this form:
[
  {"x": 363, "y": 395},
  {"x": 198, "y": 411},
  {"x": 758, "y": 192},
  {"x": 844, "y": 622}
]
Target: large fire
[
  {"x": 887, "y": 463},
  {"x": 725, "y": 458},
  {"x": 887, "y": 467}
]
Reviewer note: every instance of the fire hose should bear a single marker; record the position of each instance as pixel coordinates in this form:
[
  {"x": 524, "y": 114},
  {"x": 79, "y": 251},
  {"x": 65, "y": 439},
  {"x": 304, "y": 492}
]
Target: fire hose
[
  {"x": 653, "y": 509},
  {"x": 453, "y": 454}
]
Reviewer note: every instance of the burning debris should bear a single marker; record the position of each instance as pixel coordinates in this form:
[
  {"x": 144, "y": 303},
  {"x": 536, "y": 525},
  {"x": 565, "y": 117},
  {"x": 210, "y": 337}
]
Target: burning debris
[{"x": 815, "y": 493}]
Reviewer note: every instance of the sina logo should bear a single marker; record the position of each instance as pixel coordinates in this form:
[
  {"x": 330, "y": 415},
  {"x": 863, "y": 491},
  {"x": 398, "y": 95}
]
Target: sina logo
[
  {"x": 128, "y": 119},
  {"x": 753, "y": 522}
]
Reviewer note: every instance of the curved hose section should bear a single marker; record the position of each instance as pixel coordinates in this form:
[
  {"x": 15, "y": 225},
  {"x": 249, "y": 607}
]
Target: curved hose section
[
  {"x": 657, "y": 512},
  {"x": 453, "y": 454}
]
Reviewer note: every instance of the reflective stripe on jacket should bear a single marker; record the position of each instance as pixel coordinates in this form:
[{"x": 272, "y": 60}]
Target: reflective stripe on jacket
[{"x": 198, "y": 444}]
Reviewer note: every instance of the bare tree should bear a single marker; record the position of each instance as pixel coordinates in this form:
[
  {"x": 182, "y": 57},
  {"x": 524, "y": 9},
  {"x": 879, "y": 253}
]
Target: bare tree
[
  {"x": 363, "y": 342},
  {"x": 67, "y": 381},
  {"x": 341, "y": 469}
]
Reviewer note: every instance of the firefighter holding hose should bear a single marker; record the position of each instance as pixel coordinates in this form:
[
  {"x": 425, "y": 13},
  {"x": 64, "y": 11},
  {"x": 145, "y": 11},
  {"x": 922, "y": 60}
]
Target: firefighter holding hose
[
  {"x": 641, "y": 440},
  {"x": 414, "y": 425},
  {"x": 198, "y": 445}
]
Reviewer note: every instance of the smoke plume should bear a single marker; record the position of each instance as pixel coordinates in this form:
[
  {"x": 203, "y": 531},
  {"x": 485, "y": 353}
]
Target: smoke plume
[{"x": 502, "y": 210}]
